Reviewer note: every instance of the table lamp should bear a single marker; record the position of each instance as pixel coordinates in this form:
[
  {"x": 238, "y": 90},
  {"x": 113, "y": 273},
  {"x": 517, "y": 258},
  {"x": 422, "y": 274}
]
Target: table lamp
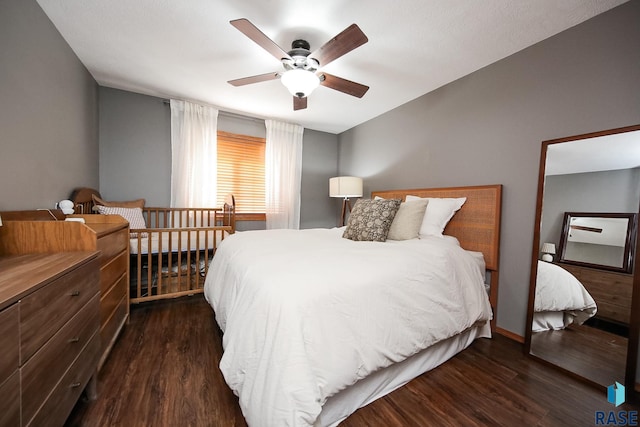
[
  {"x": 548, "y": 251},
  {"x": 345, "y": 187}
]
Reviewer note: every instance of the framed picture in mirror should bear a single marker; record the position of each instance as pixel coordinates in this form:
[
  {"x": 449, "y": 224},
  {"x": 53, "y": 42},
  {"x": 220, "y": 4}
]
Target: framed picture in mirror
[{"x": 599, "y": 240}]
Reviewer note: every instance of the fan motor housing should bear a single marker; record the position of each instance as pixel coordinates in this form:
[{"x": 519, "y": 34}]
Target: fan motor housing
[
  {"x": 299, "y": 54},
  {"x": 300, "y": 44}
]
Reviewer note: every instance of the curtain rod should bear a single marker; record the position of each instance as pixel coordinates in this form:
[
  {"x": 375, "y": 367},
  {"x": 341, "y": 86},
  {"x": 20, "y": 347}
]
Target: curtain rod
[{"x": 228, "y": 114}]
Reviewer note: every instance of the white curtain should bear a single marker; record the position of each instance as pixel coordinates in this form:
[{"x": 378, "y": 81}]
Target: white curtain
[
  {"x": 283, "y": 172},
  {"x": 193, "y": 155}
]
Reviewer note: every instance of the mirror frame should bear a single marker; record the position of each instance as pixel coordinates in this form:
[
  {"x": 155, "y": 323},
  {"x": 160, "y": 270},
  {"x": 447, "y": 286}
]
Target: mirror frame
[
  {"x": 634, "y": 325},
  {"x": 628, "y": 256}
]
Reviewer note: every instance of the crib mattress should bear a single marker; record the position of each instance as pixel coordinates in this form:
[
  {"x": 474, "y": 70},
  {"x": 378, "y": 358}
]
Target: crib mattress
[{"x": 154, "y": 242}]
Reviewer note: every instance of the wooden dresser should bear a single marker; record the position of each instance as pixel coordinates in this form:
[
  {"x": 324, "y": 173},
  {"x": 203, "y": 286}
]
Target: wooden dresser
[
  {"x": 611, "y": 290},
  {"x": 49, "y": 335},
  {"x": 108, "y": 234}
]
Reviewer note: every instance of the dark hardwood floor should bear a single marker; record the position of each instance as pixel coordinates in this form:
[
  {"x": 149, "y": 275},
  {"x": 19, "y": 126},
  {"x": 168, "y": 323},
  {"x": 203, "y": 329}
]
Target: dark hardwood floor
[
  {"x": 163, "y": 372},
  {"x": 598, "y": 355}
]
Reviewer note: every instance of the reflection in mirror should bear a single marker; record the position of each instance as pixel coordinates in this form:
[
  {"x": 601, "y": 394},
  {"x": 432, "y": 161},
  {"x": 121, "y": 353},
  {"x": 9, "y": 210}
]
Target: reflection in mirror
[
  {"x": 599, "y": 240},
  {"x": 580, "y": 298}
]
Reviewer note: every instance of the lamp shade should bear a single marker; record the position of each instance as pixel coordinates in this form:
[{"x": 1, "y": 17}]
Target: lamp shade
[
  {"x": 300, "y": 82},
  {"x": 345, "y": 186},
  {"x": 548, "y": 248}
]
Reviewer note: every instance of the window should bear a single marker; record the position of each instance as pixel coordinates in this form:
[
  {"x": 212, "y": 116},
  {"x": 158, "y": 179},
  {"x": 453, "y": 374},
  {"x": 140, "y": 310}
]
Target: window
[{"x": 241, "y": 173}]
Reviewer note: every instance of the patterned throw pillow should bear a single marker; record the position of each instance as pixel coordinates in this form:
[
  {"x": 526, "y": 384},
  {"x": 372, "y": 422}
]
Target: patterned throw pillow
[
  {"x": 370, "y": 220},
  {"x": 133, "y": 215},
  {"x": 139, "y": 203}
]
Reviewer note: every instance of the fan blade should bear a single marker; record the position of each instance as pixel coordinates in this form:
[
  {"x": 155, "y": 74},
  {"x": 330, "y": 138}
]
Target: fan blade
[
  {"x": 349, "y": 39},
  {"x": 343, "y": 85},
  {"x": 299, "y": 103},
  {"x": 254, "y": 79},
  {"x": 583, "y": 228},
  {"x": 251, "y": 31}
]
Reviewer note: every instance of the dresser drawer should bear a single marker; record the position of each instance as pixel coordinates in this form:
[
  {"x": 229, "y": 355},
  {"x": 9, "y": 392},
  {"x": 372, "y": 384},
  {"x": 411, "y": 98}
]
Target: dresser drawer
[
  {"x": 110, "y": 300},
  {"x": 111, "y": 326},
  {"x": 10, "y": 401},
  {"x": 43, "y": 371},
  {"x": 611, "y": 290},
  {"x": 112, "y": 271},
  {"x": 9, "y": 342},
  {"x": 56, "y": 409},
  {"x": 43, "y": 312},
  {"x": 112, "y": 244}
]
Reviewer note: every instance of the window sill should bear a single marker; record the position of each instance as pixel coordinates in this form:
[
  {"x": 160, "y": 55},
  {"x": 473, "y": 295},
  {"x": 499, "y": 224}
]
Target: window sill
[{"x": 251, "y": 217}]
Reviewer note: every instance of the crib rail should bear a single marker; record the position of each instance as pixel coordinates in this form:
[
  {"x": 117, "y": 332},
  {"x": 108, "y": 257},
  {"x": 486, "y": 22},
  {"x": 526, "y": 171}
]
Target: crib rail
[
  {"x": 182, "y": 217},
  {"x": 170, "y": 262},
  {"x": 171, "y": 256}
]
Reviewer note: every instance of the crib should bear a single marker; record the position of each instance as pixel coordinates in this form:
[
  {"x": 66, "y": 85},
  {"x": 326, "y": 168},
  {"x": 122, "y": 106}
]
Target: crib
[{"x": 169, "y": 255}]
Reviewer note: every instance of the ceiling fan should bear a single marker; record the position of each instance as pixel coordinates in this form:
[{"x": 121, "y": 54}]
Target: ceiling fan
[{"x": 301, "y": 73}]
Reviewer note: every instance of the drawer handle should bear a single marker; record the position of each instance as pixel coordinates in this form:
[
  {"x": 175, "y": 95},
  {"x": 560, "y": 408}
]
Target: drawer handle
[
  {"x": 74, "y": 340},
  {"x": 75, "y": 385},
  {"x": 75, "y": 293}
]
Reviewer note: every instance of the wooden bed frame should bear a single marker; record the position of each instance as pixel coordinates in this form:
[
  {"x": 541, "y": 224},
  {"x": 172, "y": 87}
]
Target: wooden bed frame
[
  {"x": 193, "y": 234},
  {"x": 476, "y": 225}
]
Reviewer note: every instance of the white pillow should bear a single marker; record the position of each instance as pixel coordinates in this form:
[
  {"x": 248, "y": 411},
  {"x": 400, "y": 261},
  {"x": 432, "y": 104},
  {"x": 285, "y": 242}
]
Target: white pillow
[
  {"x": 133, "y": 215},
  {"x": 438, "y": 213},
  {"x": 408, "y": 219}
]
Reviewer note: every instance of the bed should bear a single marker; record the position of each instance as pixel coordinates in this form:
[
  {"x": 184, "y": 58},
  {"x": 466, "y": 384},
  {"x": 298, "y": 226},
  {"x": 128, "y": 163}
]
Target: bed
[
  {"x": 560, "y": 299},
  {"x": 316, "y": 326},
  {"x": 170, "y": 248}
]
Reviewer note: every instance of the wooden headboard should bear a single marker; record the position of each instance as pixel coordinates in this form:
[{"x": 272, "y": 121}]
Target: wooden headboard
[{"x": 476, "y": 225}]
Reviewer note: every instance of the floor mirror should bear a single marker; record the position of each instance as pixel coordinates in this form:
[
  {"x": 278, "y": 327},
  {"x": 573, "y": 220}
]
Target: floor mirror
[{"x": 584, "y": 292}]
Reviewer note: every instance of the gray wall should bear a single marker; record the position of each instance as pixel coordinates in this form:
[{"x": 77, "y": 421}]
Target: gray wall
[
  {"x": 608, "y": 191},
  {"x": 319, "y": 163},
  {"x": 135, "y": 156},
  {"x": 48, "y": 113},
  {"x": 487, "y": 128},
  {"x": 135, "y": 147}
]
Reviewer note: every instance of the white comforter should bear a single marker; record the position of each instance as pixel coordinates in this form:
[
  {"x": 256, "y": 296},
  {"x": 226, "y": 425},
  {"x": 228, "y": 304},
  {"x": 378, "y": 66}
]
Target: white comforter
[
  {"x": 557, "y": 290},
  {"x": 307, "y": 313}
]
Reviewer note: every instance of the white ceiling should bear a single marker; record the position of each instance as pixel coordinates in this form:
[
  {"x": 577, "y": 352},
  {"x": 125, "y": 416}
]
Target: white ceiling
[
  {"x": 187, "y": 49},
  {"x": 603, "y": 153}
]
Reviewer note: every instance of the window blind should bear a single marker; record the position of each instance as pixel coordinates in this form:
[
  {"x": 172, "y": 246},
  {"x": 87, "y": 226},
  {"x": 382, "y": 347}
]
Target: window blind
[{"x": 241, "y": 171}]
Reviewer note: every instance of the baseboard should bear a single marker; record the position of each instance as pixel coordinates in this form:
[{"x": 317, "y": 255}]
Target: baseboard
[{"x": 509, "y": 335}]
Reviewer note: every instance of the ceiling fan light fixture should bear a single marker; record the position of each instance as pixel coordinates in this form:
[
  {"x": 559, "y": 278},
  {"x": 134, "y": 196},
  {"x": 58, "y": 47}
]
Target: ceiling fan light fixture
[
  {"x": 300, "y": 82},
  {"x": 301, "y": 65}
]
